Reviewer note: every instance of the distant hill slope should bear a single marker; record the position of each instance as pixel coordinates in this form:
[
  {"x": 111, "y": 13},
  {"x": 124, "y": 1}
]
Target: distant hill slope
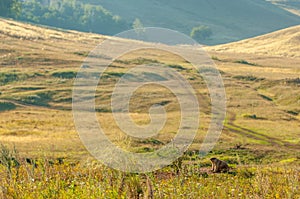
[
  {"x": 26, "y": 31},
  {"x": 284, "y": 42},
  {"x": 229, "y": 20},
  {"x": 292, "y": 6}
]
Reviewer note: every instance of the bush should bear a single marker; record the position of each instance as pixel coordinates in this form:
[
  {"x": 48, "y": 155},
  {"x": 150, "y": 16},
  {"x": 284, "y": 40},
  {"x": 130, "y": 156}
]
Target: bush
[
  {"x": 245, "y": 62},
  {"x": 175, "y": 66},
  {"x": 201, "y": 33}
]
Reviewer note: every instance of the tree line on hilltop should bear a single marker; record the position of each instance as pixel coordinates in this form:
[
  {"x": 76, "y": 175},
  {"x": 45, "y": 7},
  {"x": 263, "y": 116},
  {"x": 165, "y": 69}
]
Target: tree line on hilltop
[
  {"x": 67, "y": 14},
  {"x": 76, "y": 15}
]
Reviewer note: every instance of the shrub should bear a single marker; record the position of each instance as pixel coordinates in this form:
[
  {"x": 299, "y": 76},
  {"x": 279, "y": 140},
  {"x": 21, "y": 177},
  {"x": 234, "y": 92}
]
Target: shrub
[
  {"x": 201, "y": 33},
  {"x": 175, "y": 66},
  {"x": 245, "y": 62},
  {"x": 138, "y": 26}
]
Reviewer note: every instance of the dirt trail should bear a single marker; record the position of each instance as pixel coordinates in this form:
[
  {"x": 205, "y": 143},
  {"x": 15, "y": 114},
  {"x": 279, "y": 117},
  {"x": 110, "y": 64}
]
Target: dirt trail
[{"x": 231, "y": 126}]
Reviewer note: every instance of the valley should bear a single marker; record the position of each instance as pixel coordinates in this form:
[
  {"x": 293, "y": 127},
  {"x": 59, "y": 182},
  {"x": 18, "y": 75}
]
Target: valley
[{"x": 260, "y": 139}]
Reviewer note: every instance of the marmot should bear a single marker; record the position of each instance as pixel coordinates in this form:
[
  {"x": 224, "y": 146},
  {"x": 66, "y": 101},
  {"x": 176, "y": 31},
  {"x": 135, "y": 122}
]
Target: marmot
[{"x": 219, "y": 165}]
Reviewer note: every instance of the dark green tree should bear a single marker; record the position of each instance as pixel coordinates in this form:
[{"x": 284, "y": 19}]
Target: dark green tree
[
  {"x": 73, "y": 14},
  {"x": 10, "y": 8},
  {"x": 201, "y": 33}
]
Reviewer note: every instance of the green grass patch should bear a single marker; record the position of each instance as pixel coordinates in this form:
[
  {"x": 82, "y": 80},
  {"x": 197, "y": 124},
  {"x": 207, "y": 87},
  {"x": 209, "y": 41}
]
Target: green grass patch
[
  {"x": 9, "y": 77},
  {"x": 7, "y": 106},
  {"x": 64, "y": 74},
  {"x": 6, "y": 78},
  {"x": 38, "y": 99}
]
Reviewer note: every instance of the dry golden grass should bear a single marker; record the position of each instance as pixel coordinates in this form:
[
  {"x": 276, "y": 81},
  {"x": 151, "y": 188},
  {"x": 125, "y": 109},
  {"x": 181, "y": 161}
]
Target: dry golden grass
[
  {"x": 283, "y": 43},
  {"x": 47, "y": 127},
  {"x": 261, "y": 127}
]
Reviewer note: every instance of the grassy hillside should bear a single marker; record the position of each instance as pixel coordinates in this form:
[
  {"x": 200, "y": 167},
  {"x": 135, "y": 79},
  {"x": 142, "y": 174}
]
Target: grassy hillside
[
  {"x": 39, "y": 66},
  {"x": 227, "y": 21},
  {"x": 260, "y": 139},
  {"x": 283, "y": 43},
  {"x": 230, "y": 21}
]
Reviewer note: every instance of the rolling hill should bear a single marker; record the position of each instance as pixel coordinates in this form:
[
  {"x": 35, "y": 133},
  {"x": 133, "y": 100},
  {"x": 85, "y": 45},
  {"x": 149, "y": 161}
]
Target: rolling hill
[
  {"x": 38, "y": 67},
  {"x": 260, "y": 139},
  {"x": 283, "y": 43},
  {"x": 229, "y": 20}
]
